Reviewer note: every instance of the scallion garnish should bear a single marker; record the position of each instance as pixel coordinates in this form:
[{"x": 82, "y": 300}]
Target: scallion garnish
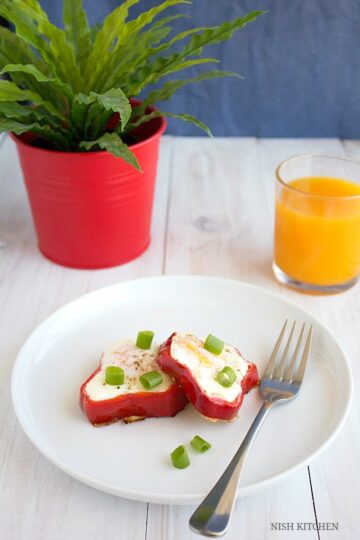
[
  {"x": 179, "y": 457},
  {"x": 114, "y": 375},
  {"x": 151, "y": 379},
  {"x": 214, "y": 345},
  {"x": 226, "y": 377},
  {"x": 199, "y": 444},
  {"x": 144, "y": 339}
]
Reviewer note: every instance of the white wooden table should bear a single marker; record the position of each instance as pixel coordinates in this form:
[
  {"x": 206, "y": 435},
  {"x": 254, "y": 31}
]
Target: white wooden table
[{"x": 213, "y": 215}]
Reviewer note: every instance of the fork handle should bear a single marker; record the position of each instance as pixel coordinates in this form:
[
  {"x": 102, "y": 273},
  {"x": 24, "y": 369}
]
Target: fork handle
[{"x": 212, "y": 516}]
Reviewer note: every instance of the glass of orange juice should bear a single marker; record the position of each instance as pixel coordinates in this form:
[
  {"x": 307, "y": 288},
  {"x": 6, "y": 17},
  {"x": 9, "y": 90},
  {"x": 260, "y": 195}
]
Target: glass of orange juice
[{"x": 317, "y": 223}]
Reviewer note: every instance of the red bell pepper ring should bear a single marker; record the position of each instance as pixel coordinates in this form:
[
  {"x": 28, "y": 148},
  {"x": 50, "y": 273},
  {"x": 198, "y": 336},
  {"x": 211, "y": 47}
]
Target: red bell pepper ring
[
  {"x": 133, "y": 405},
  {"x": 213, "y": 408}
]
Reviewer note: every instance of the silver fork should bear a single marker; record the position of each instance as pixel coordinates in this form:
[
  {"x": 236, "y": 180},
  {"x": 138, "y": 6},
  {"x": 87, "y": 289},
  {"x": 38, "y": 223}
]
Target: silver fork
[{"x": 281, "y": 382}]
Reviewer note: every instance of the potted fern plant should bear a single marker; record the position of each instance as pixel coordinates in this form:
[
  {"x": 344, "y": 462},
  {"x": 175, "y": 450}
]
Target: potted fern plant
[{"x": 87, "y": 146}]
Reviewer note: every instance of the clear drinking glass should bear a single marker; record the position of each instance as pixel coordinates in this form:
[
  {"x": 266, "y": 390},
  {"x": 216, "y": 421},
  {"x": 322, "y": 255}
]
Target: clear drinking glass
[{"x": 317, "y": 223}]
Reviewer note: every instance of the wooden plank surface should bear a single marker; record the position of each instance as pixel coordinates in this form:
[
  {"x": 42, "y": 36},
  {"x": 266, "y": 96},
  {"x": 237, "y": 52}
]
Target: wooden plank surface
[
  {"x": 213, "y": 215},
  {"x": 36, "y": 500}
]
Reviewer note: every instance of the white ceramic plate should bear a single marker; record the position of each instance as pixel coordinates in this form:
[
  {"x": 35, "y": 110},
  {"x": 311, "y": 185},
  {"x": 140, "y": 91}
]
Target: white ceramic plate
[{"x": 133, "y": 460}]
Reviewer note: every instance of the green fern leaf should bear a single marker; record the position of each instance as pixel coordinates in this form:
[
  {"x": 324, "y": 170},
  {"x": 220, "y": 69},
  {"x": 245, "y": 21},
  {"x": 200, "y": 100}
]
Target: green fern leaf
[
  {"x": 189, "y": 118},
  {"x": 58, "y": 140},
  {"x": 38, "y": 75},
  {"x": 112, "y": 100},
  {"x": 10, "y": 92},
  {"x": 104, "y": 40},
  {"x": 210, "y": 36},
  {"x": 113, "y": 144},
  {"x": 77, "y": 30},
  {"x": 128, "y": 32}
]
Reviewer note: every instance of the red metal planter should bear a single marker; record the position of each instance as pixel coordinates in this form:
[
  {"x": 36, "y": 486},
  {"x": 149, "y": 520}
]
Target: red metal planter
[{"x": 92, "y": 210}]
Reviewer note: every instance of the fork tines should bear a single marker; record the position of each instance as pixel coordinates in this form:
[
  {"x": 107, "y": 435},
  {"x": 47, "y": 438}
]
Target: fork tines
[{"x": 282, "y": 366}]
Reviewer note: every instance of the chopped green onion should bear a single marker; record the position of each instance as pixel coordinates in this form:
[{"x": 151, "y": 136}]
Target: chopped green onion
[
  {"x": 226, "y": 377},
  {"x": 214, "y": 345},
  {"x": 144, "y": 339},
  {"x": 114, "y": 375},
  {"x": 179, "y": 457},
  {"x": 151, "y": 379},
  {"x": 199, "y": 444}
]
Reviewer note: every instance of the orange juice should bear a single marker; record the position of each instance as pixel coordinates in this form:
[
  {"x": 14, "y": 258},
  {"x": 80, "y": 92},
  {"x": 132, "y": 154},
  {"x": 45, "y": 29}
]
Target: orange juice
[{"x": 317, "y": 230}]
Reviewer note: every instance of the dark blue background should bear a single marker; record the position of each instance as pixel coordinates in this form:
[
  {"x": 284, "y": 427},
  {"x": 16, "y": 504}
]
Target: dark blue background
[{"x": 301, "y": 62}]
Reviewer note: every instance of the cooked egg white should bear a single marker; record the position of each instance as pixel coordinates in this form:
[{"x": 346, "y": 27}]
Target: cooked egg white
[
  {"x": 134, "y": 362},
  {"x": 189, "y": 351}
]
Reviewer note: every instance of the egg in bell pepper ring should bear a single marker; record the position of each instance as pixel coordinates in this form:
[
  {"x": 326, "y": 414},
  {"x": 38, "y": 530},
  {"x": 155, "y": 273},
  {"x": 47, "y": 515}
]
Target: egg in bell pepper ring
[
  {"x": 214, "y": 375},
  {"x": 128, "y": 385}
]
